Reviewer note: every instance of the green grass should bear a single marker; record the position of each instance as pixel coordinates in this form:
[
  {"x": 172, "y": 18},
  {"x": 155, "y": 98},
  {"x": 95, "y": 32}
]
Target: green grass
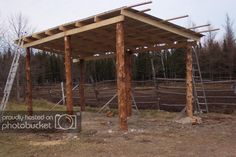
[
  {"x": 43, "y": 105},
  {"x": 38, "y": 105}
]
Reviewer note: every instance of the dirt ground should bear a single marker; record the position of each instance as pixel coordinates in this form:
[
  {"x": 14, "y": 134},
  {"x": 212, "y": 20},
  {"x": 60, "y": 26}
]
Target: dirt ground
[{"x": 151, "y": 134}]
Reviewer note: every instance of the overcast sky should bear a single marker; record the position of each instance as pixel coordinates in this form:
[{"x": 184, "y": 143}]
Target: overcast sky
[{"x": 44, "y": 14}]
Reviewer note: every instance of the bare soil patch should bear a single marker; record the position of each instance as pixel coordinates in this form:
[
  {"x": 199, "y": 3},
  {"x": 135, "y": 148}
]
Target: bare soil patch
[{"x": 151, "y": 134}]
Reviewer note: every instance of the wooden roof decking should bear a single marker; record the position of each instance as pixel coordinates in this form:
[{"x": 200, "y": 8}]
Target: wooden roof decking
[{"x": 97, "y": 34}]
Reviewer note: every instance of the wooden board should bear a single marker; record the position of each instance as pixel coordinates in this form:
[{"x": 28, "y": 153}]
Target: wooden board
[{"x": 96, "y": 34}]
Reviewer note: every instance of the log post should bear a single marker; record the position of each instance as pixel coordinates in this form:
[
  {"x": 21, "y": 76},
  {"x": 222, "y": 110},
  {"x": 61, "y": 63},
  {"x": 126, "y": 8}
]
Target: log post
[
  {"x": 69, "y": 98},
  {"x": 28, "y": 82},
  {"x": 189, "y": 81},
  {"x": 128, "y": 59},
  {"x": 81, "y": 85},
  {"x": 121, "y": 76}
]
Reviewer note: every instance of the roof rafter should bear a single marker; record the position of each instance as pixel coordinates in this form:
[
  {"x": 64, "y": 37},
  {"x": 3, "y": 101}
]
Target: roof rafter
[
  {"x": 159, "y": 24},
  {"x": 148, "y": 49},
  {"x": 77, "y": 30}
]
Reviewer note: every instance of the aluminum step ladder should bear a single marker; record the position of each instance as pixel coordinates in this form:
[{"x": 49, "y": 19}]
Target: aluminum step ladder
[
  {"x": 11, "y": 75},
  {"x": 198, "y": 86}
]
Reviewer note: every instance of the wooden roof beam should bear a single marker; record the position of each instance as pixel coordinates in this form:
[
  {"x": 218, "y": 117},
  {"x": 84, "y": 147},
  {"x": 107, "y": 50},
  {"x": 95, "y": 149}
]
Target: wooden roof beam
[
  {"x": 211, "y": 30},
  {"x": 84, "y": 22},
  {"x": 160, "y": 25},
  {"x": 195, "y": 27},
  {"x": 77, "y": 30},
  {"x": 165, "y": 47},
  {"x": 145, "y": 10},
  {"x": 152, "y": 36},
  {"x": 66, "y": 27},
  {"x": 52, "y": 50},
  {"x": 39, "y": 36},
  {"x": 51, "y": 32},
  {"x": 63, "y": 28},
  {"x": 97, "y": 19},
  {"x": 79, "y": 24},
  {"x": 28, "y": 39},
  {"x": 90, "y": 58},
  {"x": 139, "y": 4},
  {"x": 176, "y": 18}
]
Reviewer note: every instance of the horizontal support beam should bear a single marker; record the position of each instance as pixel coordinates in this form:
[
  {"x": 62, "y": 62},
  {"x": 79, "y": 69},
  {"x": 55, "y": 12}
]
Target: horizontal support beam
[
  {"x": 49, "y": 50},
  {"x": 77, "y": 30},
  {"x": 99, "y": 57},
  {"x": 165, "y": 47},
  {"x": 160, "y": 25},
  {"x": 91, "y": 58},
  {"x": 157, "y": 48}
]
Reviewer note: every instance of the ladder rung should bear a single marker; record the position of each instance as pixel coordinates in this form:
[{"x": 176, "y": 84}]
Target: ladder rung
[
  {"x": 198, "y": 90},
  {"x": 201, "y": 97},
  {"x": 201, "y": 103}
]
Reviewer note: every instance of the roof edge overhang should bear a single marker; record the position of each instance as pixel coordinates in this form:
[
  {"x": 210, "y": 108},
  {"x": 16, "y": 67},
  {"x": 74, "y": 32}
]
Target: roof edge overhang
[
  {"x": 81, "y": 29},
  {"x": 163, "y": 25},
  {"x": 76, "y": 27}
]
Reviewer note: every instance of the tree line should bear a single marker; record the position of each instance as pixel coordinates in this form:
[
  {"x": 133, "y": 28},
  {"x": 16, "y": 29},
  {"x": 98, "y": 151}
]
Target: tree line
[{"x": 217, "y": 59}]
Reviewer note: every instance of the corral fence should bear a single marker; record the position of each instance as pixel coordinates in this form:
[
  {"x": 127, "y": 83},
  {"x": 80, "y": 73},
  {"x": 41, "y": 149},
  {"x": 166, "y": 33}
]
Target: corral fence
[{"x": 169, "y": 94}]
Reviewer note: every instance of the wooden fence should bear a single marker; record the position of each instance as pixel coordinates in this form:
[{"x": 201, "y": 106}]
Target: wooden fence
[{"x": 170, "y": 94}]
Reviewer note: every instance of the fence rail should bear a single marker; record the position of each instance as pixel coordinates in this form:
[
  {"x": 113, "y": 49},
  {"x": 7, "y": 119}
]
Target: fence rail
[{"x": 169, "y": 95}]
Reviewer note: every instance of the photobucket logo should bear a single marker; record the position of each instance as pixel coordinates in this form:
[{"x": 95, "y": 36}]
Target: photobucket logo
[
  {"x": 65, "y": 122},
  {"x": 41, "y": 121}
]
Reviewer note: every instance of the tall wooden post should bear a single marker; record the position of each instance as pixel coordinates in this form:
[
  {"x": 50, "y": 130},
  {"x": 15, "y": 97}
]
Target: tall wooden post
[
  {"x": 128, "y": 62},
  {"x": 81, "y": 85},
  {"x": 189, "y": 81},
  {"x": 121, "y": 76},
  {"x": 69, "y": 98},
  {"x": 28, "y": 82}
]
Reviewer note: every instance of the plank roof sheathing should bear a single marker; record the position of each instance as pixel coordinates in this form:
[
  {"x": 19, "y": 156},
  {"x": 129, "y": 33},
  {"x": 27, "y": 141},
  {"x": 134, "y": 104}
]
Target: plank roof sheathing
[{"x": 97, "y": 34}]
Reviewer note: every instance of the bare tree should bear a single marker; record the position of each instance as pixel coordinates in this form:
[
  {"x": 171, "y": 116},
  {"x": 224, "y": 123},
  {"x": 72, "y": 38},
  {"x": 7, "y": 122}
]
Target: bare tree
[
  {"x": 1, "y": 33},
  {"x": 18, "y": 26},
  {"x": 229, "y": 44}
]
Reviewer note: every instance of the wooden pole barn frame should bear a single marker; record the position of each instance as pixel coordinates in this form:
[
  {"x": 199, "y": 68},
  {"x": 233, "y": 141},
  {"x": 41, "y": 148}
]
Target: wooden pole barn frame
[{"x": 118, "y": 33}]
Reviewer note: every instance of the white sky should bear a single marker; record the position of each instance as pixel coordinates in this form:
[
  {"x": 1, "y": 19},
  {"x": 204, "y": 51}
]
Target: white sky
[{"x": 44, "y": 14}]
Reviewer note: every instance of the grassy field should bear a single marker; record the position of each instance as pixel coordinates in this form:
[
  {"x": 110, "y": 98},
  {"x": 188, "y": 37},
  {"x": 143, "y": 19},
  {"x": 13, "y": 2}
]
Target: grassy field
[{"x": 151, "y": 134}]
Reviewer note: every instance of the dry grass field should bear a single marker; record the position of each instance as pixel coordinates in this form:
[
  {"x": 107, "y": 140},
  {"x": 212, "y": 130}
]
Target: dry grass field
[{"x": 151, "y": 134}]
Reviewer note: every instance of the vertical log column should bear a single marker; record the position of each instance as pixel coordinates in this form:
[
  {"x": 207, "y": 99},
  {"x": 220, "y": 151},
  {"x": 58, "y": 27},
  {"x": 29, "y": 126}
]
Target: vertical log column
[
  {"x": 121, "y": 76},
  {"x": 69, "y": 99},
  {"x": 189, "y": 81},
  {"x": 28, "y": 82},
  {"x": 128, "y": 62},
  {"x": 81, "y": 85}
]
